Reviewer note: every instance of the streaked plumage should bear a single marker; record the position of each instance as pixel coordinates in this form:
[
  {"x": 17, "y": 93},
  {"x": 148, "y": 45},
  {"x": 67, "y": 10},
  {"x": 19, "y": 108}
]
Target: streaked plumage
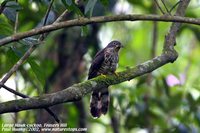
[{"x": 105, "y": 62}]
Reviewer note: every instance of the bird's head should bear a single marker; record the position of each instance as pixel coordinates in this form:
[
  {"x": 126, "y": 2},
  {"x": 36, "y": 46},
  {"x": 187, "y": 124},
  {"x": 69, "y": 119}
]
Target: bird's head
[{"x": 116, "y": 45}]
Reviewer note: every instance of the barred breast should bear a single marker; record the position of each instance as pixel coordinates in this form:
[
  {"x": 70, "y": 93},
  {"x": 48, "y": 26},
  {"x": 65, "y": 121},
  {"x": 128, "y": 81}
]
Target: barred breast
[{"x": 110, "y": 63}]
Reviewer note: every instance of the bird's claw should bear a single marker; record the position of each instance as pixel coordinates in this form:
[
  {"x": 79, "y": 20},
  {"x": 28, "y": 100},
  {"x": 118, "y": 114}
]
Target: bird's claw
[
  {"x": 116, "y": 74},
  {"x": 103, "y": 75}
]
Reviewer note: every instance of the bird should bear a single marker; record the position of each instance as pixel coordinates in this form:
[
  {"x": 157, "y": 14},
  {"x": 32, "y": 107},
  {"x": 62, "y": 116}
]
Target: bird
[{"x": 104, "y": 63}]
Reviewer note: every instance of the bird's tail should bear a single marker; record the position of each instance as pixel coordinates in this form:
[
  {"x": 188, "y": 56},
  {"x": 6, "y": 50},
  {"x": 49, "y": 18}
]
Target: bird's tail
[{"x": 99, "y": 102}]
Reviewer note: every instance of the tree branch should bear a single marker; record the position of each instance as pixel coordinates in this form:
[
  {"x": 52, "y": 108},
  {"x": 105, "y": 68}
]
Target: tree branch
[
  {"x": 2, "y": 6},
  {"x": 101, "y": 19},
  {"x": 77, "y": 91},
  {"x": 170, "y": 39},
  {"x": 25, "y": 96}
]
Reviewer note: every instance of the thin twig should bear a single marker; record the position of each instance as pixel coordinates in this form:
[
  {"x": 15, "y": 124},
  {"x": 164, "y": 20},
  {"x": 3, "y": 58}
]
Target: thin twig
[
  {"x": 62, "y": 16},
  {"x": 16, "y": 22},
  {"x": 165, "y": 7},
  {"x": 2, "y": 6},
  {"x": 47, "y": 13},
  {"x": 13, "y": 91},
  {"x": 174, "y": 6},
  {"x": 45, "y": 19},
  {"x": 159, "y": 6}
]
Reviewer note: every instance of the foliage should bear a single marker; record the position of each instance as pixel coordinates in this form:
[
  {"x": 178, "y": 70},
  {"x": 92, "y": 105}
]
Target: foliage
[{"x": 149, "y": 103}]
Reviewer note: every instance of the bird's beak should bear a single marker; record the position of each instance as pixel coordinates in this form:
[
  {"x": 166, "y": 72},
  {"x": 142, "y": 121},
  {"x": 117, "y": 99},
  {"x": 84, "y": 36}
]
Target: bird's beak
[{"x": 118, "y": 47}]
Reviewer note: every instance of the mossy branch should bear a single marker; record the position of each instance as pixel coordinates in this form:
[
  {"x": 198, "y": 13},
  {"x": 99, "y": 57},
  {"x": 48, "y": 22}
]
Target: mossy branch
[{"x": 77, "y": 91}]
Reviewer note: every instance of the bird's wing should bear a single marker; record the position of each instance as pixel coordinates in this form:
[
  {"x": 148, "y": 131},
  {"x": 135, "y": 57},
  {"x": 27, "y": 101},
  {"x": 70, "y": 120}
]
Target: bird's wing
[{"x": 96, "y": 64}]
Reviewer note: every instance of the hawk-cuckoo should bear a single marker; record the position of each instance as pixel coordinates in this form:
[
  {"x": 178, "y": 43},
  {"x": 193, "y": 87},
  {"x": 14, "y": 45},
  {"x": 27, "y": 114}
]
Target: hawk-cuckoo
[{"x": 105, "y": 62}]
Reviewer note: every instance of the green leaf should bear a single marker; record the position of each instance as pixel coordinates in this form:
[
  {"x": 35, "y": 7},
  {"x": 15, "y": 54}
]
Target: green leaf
[
  {"x": 5, "y": 1},
  {"x": 38, "y": 71},
  {"x": 7, "y": 59},
  {"x": 11, "y": 9},
  {"x": 69, "y": 7},
  {"x": 90, "y": 6},
  {"x": 84, "y": 30},
  {"x": 12, "y": 57},
  {"x": 77, "y": 10},
  {"x": 65, "y": 3},
  {"x": 6, "y": 28},
  {"x": 72, "y": 7},
  {"x": 16, "y": 6},
  {"x": 104, "y": 2},
  {"x": 175, "y": 101}
]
